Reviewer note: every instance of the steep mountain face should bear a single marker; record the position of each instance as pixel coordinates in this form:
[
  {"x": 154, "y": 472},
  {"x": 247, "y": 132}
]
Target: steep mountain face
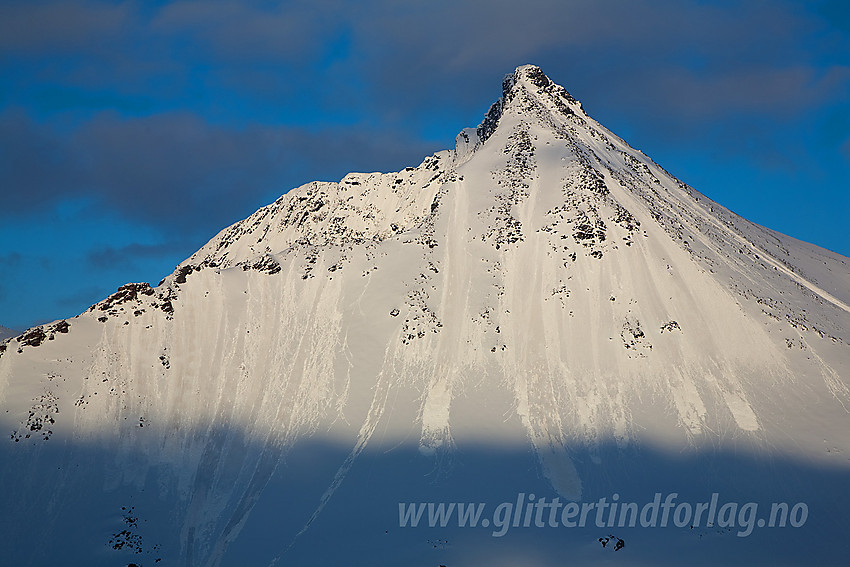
[{"x": 542, "y": 309}]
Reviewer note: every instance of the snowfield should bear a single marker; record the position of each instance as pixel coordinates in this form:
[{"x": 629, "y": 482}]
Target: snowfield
[{"x": 541, "y": 310}]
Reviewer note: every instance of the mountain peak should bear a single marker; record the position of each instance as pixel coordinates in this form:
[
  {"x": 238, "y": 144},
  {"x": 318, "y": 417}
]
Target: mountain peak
[
  {"x": 527, "y": 84},
  {"x": 549, "y": 303},
  {"x": 532, "y": 79},
  {"x": 531, "y": 74}
]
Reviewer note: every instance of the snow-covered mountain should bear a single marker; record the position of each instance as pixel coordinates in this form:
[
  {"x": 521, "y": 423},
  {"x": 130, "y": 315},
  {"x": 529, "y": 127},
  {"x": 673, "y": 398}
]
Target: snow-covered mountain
[{"x": 542, "y": 309}]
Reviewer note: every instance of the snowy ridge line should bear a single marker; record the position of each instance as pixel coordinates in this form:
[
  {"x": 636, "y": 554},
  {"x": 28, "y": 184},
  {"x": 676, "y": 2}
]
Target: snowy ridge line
[{"x": 776, "y": 263}]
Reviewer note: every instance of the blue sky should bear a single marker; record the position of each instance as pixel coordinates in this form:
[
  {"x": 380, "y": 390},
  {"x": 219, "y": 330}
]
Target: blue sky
[{"x": 132, "y": 132}]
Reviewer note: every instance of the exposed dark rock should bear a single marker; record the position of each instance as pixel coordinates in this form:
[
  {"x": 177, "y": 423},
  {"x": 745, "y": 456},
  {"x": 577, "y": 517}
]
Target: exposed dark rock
[
  {"x": 625, "y": 219},
  {"x": 490, "y": 122},
  {"x": 618, "y": 542},
  {"x": 127, "y": 292},
  {"x": 184, "y": 271},
  {"x": 267, "y": 264},
  {"x": 537, "y": 77},
  {"x": 165, "y": 298},
  {"x": 33, "y": 337},
  {"x": 634, "y": 338},
  {"x": 128, "y": 538},
  {"x": 42, "y": 415}
]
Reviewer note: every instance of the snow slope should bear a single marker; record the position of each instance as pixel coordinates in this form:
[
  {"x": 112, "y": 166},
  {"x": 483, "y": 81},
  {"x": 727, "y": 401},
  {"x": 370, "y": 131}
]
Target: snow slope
[{"x": 542, "y": 309}]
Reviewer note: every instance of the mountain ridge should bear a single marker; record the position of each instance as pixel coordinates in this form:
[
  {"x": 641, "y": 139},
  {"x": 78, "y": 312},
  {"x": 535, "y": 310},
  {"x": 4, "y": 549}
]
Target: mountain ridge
[{"x": 542, "y": 291}]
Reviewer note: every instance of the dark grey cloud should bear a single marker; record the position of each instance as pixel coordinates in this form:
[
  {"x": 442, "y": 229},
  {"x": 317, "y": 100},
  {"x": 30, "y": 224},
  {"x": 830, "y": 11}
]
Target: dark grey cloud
[
  {"x": 423, "y": 55},
  {"x": 125, "y": 257},
  {"x": 177, "y": 170},
  {"x": 726, "y": 57},
  {"x": 784, "y": 93},
  {"x": 259, "y": 31},
  {"x": 38, "y": 26},
  {"x": 86, "y": 296},
  {"x": 34, "y": 165}
]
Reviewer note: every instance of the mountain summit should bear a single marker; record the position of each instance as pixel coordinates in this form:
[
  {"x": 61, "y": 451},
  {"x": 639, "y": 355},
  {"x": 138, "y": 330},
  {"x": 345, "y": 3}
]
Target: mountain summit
[{"x": 541, "y": 311}]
